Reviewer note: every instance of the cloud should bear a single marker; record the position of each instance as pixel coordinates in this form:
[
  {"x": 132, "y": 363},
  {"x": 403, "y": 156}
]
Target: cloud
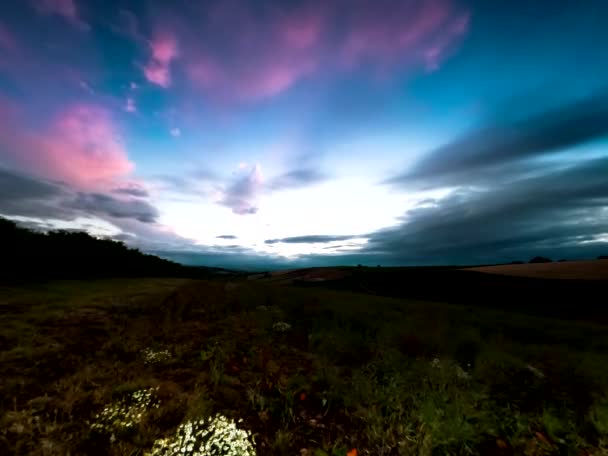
[
  {"x": 22, "y": 195},
  {"x": 278, "y": 46},
  {"x": 28, "y": 196},
  {"x": 101, "y": 204},
  {"x": 487, "y": 152},
  {"x": 240, "y": 195},
  {"x": 297, "y": 178},
  {"x": 310, "y": 239},
  {"x": 518, "y": 190},
  {"x": 132, "y": 190},
  {"x": 549, "y": 215},
  {"x": 80, "y": 147},
  {"x": 8, "y": 42},
  {"x": 164, "y": 52},
  {"x": 226, "y": 236},
  {"x": 130, "y": 105},
  {"x": 50, "y": 205},
  {"x": 64, "y": 8}
]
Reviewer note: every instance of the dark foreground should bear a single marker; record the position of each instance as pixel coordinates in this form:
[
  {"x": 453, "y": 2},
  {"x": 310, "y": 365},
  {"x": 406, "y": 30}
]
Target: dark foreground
[{"x": 113, "y": 366}]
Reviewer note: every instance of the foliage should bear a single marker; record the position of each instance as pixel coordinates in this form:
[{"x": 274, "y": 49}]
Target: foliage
[
  {"x": 71, "y": 254},
  {"x": 354, "y": 375}
]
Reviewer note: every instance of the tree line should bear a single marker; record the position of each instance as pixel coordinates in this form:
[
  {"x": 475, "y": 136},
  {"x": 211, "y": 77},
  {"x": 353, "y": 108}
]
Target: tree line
[{"x": 29, "y": 254}]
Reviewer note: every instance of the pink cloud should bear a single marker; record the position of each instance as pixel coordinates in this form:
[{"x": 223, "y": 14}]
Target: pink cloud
[
  {"x": 164, "y": 51},
  {"x": 7, "y": 40},
  {"x": 240, "y": 53},
  {"x": 65, "y": 8},
  {"x": 80, "y": 147},
  {"x": 130, "y": 105}
]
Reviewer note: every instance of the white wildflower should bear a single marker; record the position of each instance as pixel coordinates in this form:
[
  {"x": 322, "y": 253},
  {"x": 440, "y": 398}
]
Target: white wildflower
[
  {"x": 535, "y": 371},
  {"x": 281, "y": 326},
  {"x": 155, "y": 356},
  {"x": 124, "y": 414},
  {"x": 218, "y": 436}
]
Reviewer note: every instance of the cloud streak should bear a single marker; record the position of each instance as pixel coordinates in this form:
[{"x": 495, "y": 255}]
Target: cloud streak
[
  {"x": 25, "y": 195},
  {"x": 297, "y": 178},
  {"x": 280, "y": 45},
  {"x": 506, "y": 204},
  {"x": 491, "y": 148},
  {"x": 64, "y": 8},
  {"x": 311, "y": 239}
]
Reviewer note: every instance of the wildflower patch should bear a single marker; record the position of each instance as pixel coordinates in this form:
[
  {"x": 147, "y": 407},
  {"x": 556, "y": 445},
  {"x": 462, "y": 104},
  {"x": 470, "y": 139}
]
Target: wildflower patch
[
  {"x": 152, "y": 356},
  {"x": 218, "y": 436},
  {"x": 125, "y": 414}
]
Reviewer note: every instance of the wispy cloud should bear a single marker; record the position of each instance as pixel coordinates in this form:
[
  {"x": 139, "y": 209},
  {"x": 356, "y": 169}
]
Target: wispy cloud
[
  {"x": 130, "y": 105},
  {"x": 226, "y": 236},
  {"x": 511, "y": 198},
  {"x": 296, "y": 178},
  {"x": 489, "y": 150},
  {"x": 164, "y": 51},
  {"x": 8, "y": 42},
  {"x": 279, "y": 47},
  {"x": 240, "y": 195},
  {"x": 64, "y": 8},
  {"x": 311, "y": 239},
  {"x": 132, "y": 190}
]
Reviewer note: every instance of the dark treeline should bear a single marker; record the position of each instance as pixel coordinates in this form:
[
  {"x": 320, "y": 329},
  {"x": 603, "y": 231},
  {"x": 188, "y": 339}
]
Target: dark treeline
[{"x": 27, "y": 254}]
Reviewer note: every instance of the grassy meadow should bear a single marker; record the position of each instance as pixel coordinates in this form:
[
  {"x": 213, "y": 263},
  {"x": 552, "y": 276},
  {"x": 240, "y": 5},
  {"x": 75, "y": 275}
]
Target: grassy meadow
[{"x": 184, "y": 367}]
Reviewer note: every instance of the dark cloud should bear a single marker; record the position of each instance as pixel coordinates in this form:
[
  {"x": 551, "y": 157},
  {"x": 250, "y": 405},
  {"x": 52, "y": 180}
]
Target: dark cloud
[
  {"x": 516, "y": 193},
  {"x": 26, "y": 196},
  {"x": 501, "y": 149},
  {"x": 226, "y": 236},
  {"x": 22, "y": 195},
  {"x": 310, "y": 239},
  {"x": 562, "y": 212},
  {"x": 101, "y": 204},
  {"x": 297, "y": 178},
  {"x": 123, "y": 237},
  {"x": 132, "y": 191}
]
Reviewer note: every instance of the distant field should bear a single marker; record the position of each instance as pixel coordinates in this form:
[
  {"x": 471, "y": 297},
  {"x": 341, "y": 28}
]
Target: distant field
[
  {"x": 582, "y": 270},
  {"x": 113, "y": 367}
]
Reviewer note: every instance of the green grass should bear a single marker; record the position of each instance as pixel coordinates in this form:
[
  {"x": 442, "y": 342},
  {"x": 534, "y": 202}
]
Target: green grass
[{"x": 384, "y": 376}]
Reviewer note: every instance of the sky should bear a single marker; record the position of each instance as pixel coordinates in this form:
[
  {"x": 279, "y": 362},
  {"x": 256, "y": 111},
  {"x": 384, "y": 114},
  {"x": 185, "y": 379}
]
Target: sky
[{"x": 282, "y": 133}]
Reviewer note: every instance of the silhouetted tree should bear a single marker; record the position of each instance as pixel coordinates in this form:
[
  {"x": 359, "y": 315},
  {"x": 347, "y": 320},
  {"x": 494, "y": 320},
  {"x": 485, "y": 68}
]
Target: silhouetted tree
[
  {"x": 602, "y": 257},
  {"x": 540, "y": 259},
  {"x": 65, "y": 254}
]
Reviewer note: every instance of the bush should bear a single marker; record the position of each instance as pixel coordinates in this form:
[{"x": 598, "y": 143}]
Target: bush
[{"x": 540, "y": 259}]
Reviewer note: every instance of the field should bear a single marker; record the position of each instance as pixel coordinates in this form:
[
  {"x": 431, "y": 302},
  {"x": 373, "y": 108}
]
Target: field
[
  {"x": 580, "y": 270},
  {"x": 111, "y": 367}
]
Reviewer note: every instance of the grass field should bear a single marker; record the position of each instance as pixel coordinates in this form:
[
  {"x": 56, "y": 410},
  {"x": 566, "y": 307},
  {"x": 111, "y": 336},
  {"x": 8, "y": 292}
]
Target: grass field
[
  {"x": 116, "y": 366},
  {"x": 579, "y": 270}
]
